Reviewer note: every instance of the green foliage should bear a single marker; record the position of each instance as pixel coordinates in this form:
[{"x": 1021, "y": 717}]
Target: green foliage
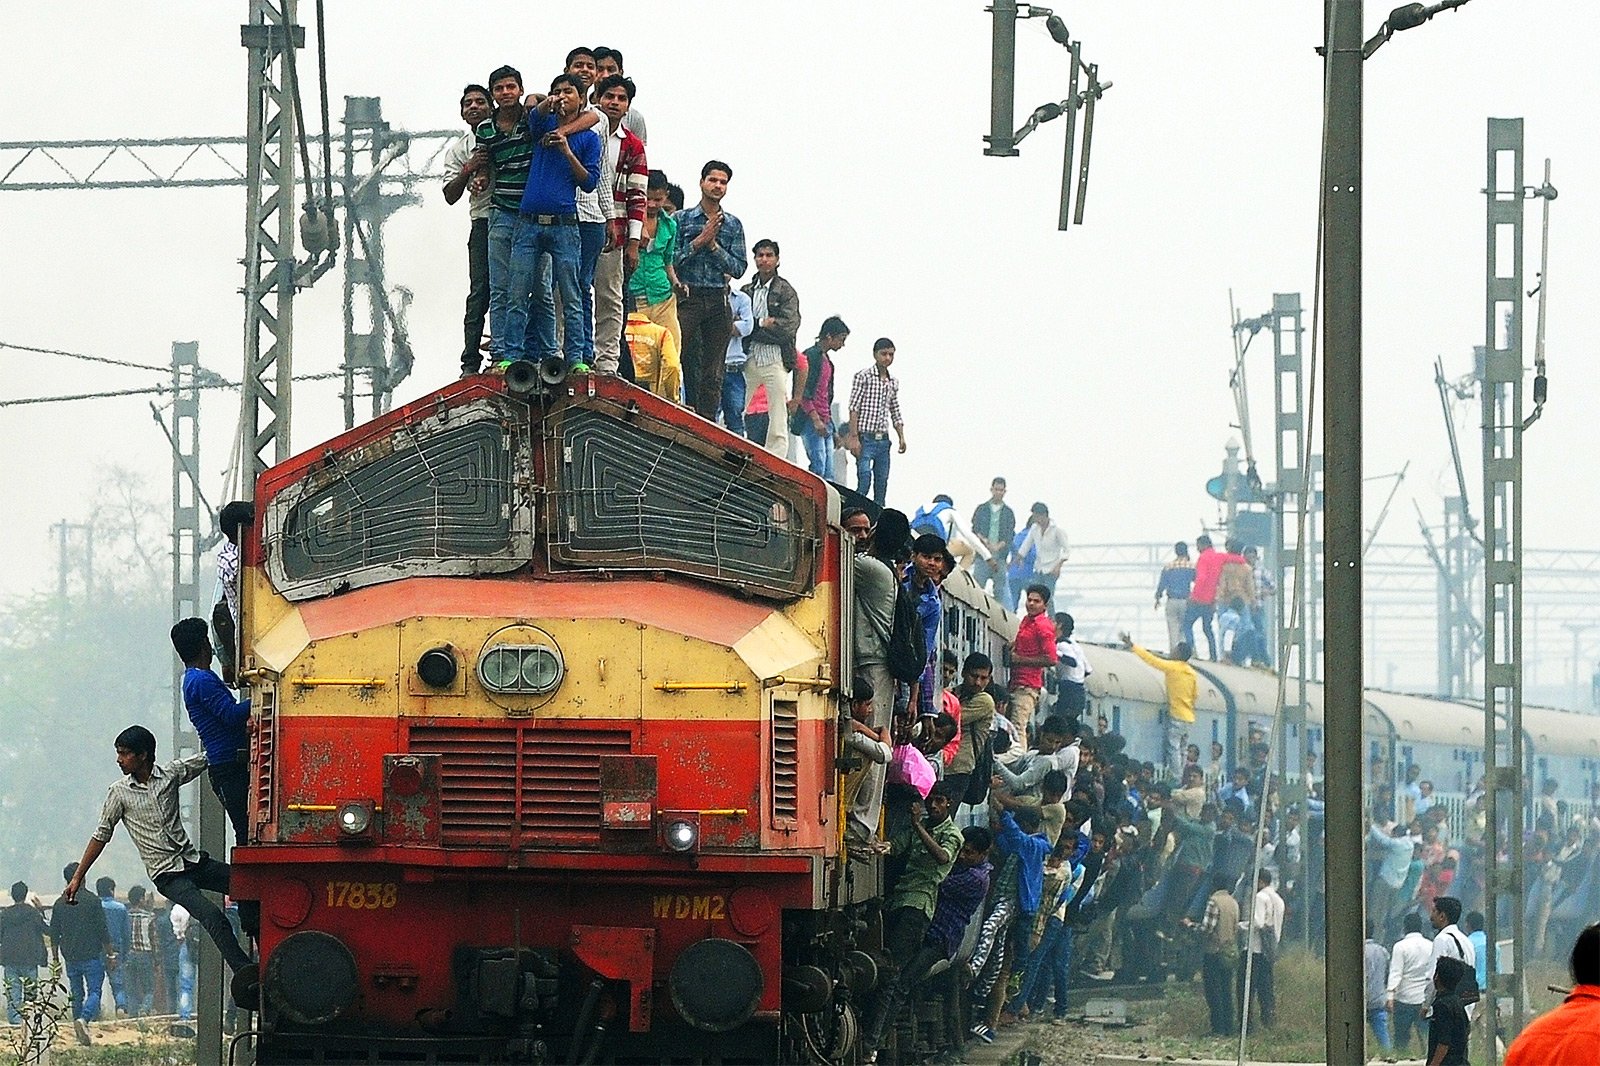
[
  {"x": 76, "y": 669},
  {"x": 44, "y": 1005}
]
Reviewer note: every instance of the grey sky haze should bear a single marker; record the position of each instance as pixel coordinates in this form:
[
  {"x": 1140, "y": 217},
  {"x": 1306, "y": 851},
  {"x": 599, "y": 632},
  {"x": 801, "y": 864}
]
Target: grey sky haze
[{"x": 1089, "y": 367}]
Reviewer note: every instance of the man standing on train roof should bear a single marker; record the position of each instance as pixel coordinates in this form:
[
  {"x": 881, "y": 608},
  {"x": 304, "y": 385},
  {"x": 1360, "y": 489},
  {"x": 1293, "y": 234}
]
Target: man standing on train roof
[
  {"x": 1183, "y": 686},
  {"x": 1177, "y": 577},
  {"x": 562, "y": 165},
  {"x": 1049, "y": 541},
  {"x": 464, "y": 160},
  {"x": 996, "y": 524},
  {"x": 874, "y": 408},
  {"x": 710, "y": 248},
  {"x": 146, "y": 800},
  {"x": 1203, "y": 595}
]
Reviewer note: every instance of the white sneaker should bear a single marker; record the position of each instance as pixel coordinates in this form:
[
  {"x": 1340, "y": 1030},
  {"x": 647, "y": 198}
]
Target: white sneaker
[{"x": 81, "y": 1031}]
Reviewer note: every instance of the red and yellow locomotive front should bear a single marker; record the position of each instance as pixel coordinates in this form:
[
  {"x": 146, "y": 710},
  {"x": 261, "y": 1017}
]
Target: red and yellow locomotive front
[{"x": 546, "y": 743}]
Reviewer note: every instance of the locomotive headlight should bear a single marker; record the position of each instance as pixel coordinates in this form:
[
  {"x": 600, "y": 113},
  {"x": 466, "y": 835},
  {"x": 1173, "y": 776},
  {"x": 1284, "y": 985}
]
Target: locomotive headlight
[
  {"x": 681, "y": 835},
  {"x": 354, "y": 817},
  {"x": 521, "y": 669}
]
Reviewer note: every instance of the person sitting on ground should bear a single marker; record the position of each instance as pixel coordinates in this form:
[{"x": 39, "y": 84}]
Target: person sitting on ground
[
  {"x": 146, "y": 800},
  {"x": 1570, "y": 1032}
]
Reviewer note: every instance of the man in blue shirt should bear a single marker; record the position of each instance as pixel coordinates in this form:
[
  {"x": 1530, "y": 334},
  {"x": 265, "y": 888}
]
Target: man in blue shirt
[
  {"x": 117, "y": 927},
  {"x": 710, "y": 249},
  {"x": 222, "y": 722},
  {"x": 547, "y": 224}
]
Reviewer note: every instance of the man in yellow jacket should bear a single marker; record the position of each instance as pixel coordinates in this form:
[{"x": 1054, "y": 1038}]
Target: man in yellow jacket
[
  {"x": 1183, "y": 685},
  {"x": 656, "y": 364}
]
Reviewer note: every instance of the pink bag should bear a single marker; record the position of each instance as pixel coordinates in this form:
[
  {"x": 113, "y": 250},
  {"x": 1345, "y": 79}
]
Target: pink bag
[{"x": 908, "y": 766}]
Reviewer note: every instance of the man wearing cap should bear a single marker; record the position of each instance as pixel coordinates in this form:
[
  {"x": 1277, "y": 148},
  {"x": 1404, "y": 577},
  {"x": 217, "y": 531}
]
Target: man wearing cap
[{"x": 1050, "y": 542}]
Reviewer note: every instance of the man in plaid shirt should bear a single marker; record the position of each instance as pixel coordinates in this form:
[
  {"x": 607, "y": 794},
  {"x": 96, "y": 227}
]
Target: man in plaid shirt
[
  {"x": 874, "y": 407},
  {"x": 623, "y": 176},
  {"x": 140, "y": 964}
]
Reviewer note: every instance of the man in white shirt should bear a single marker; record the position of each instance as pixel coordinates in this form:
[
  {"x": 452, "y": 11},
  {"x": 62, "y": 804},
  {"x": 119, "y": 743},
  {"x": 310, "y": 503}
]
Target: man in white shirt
[
  {"x": 1410, "y": 978},
  {"x": 1058, "y": 750},
  {"x": 1072, "y": 670},
  {"x": 462, "y": 161},
  {"x": 1050, "y": 541},
  {"x": 940, "y": 518},
  {"x": 1266, "y": 930},
  {"x": 1450, "y": 942}
]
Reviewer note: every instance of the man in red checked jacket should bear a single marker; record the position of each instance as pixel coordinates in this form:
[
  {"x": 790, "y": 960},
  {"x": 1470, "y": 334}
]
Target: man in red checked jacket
[{"x": 623, "y": 176}]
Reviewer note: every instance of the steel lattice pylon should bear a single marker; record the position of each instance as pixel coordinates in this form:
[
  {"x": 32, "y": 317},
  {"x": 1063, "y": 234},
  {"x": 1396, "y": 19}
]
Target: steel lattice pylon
[{"x": 270, "y": 132}]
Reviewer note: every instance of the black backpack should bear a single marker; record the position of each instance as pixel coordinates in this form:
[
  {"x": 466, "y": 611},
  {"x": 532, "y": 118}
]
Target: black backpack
[
  {"x": 1467, "y": 990},
  {"x": 908, "y": 646}
]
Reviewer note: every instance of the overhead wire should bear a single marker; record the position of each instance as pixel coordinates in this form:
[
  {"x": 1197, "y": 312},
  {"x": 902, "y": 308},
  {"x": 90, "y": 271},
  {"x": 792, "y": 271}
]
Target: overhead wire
[
  {"x": 151, "y": 390},
  {"x": 87, "y": 358}
]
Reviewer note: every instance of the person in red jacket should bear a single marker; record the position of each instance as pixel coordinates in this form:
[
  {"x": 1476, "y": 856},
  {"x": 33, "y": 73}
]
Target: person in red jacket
[
  {"x": 1203, "y": 595},
  {"x": 1571, "y": 1032}
]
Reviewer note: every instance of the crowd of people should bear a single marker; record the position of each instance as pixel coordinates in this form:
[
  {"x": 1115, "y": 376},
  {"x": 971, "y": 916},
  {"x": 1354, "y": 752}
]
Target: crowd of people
[
  {"x": 132, "y": 955},
  {"x": 579, "y": 250},
  {"x": 1079, "y": 862}
]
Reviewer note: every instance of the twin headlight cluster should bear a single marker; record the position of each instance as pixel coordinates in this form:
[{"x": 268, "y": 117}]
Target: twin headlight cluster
[{"x": 507, "y": 669}]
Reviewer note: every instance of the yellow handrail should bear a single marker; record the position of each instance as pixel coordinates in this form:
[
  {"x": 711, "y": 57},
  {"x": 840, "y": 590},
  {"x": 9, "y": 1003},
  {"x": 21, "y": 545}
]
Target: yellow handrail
[
  {"x": 351, "y": 682},
  {"x": 701, "y": 686}
]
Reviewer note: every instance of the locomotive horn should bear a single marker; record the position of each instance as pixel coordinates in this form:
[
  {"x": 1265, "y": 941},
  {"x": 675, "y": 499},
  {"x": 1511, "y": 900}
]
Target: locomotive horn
[
  {"x": 553, "y": 371},
  {"x": 522, "y": 377}
]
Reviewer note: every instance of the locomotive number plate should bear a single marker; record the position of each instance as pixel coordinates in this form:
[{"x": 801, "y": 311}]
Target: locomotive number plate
[
  {"x": 696, "y": 908},
  {"x": 359, "y": 895}
]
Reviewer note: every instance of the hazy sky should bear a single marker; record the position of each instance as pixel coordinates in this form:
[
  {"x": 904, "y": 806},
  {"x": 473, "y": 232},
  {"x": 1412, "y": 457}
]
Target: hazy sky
[{"x": 1089, "y": 367}]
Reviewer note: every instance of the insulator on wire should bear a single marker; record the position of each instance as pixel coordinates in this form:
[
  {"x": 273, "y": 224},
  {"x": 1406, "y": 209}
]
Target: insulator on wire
[{"x": 317, "y": 233}]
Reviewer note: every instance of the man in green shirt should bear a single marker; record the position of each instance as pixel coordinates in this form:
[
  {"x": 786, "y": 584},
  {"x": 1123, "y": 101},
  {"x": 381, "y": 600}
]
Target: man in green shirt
[
  {"x": 930, "y": 845},
  {"x": 654, "y": 282}
]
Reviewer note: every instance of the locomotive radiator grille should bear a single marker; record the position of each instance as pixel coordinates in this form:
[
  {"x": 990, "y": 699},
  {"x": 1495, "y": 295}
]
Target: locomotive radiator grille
[
  {"x": 785, "y": 763},
  {"x": 518, "y": 785},
  {"x": 266, "y": 742}
]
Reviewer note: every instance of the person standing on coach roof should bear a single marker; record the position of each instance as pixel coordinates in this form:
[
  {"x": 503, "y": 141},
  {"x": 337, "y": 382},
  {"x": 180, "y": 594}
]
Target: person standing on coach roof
[
  {"x": 874, "y": 407},
  {"x": 710, "y": 248},
  {"x": 1177, "y": 577},
  {"x": 733, "y": 388},
  {"x": 771, "y": 345},
  {"x": 547, "y": 224},
  {"x": 592, "y": 214},
  {"x": 996, "y": 525},
  {"x": 464, "y": 160},
  {"x": 146, "y": 799},
  {"x": 1048, "y": 542}
]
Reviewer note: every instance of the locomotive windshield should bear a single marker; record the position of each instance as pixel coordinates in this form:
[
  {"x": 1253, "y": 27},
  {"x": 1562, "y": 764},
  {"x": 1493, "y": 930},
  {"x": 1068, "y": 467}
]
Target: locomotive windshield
[
  {"x": 434, "y": 498},
  {"x": 633, "y": 493}
]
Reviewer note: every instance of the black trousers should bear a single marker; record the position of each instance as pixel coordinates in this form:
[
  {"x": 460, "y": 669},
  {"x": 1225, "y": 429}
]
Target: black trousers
[
  {"x": 705, "y": 322},
  {"x": 188, "y": 888},
  {"x": 902, "y": 942},
  {"x": 1216, "y": 970},
  {"x": 477, "y": 294},
  {"x": 231, "y": 784},
  {"x": 1261, "y": 987}
]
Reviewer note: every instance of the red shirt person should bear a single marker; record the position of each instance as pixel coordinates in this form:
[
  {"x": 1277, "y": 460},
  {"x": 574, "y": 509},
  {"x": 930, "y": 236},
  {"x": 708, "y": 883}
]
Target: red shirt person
[
  {"x": 1033, "y": 649},
  {"x": 1203, "y": 595}
]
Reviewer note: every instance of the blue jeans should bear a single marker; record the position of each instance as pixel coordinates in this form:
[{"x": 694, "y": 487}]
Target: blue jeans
[
  {"x": 819, "y": 450},
  {"x": 562, "y": 244},
  {"x": 1048, "y": 970},
  {"x": 591, "y": 239},
  {"x": 14, "y": 976},
  {"x": 119, "y": 995},
  {"x": 733, "y": 399},
  {"x": 502, "y": 233},
  {"x": 1202, "y": 613},
  {"x": 872, "y": 468},
  {"x": 1379, "y": 1020},
  {"x": 83, "y": 982},
  {"x": 985, "y": 570},
  {"x": 185, "y": 982}
]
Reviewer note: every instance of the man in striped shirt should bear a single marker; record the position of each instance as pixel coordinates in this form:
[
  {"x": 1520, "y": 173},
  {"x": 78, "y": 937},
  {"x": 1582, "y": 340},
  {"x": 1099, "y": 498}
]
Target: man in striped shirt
[
  {"x": 624, "y": 173},
  {"x": 145, "y": 799}
]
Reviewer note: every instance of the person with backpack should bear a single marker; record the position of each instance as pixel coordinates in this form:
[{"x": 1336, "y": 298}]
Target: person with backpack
[
  {"x": 940, "y": 518},
  {"x": 880, "y": 616},
  {"x": 1451, "y": 943}
]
